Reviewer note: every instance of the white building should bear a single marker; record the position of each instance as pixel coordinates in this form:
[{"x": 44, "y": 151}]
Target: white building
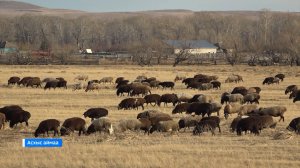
[{"x": 192, "y": 46}]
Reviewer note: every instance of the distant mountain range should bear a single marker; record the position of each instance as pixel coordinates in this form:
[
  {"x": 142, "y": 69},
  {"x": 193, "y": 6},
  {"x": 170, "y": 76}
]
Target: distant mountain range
[{"x": 15, "y": 8}]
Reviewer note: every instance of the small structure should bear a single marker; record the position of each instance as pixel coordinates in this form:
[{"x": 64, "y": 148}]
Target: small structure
[
  {"x": 87, "y": 51},
  {"x": 192, "y": 46}
]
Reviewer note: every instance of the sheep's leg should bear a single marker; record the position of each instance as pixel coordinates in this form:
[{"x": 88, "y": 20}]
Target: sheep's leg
[{"x": 219, "y": 128}]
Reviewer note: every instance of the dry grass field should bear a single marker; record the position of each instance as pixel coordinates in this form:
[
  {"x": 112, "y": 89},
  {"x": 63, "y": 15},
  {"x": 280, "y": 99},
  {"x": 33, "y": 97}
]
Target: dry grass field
[{"x": 134, "y": 149}]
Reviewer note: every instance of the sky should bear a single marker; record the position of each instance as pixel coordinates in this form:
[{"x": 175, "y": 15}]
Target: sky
[{"x": 144, "y": 5}]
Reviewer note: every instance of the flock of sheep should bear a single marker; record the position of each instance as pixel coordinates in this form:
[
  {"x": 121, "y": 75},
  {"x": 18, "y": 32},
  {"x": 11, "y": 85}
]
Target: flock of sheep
[{"x": 241, "y": 101}]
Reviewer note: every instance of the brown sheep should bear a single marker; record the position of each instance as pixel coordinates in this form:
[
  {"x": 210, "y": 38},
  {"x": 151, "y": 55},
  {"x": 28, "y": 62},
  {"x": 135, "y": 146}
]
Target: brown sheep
[
  {"x": 248, "y": 124},
  {"x": 2, "y": 120},
  {"x": 47, "y": 125},
  {"x": 18, "y": 116},
  {"x": 204, "y": 126},
  {"x": 275, "y": 111},
  {"x": 230, "y": 98},
  {"x": 73, "y": 124},
  {"x": 231, "y": 109},
  {"x": 188, "y": 121},
  {"x": 168, "y": 98},
  {"x": 240, "y": 89},
  {"x": 165, "y": 126},
  {"x": 294, "y": 125},
  {"x": 152, "y": 98},
  {"x": 252, "y": 98},
  {"x": 119, "y": 79},
  {"x": 24, "y": 81},
  {"x": 297, "y": 96},
  {"x": 247, "y": 109},
  {"x": 92, "y": 86},
  {"x": 13, "y": 80},
  {"x": 231, "y": 79},
  {"x": 106, "y": 80},
  {"x": 154, "y": 84},
  {"x": 179, "y": 108},
  {"x": 35, "y": 81},
  {"x": 127, "y": 104},
  {"x": 140, "y": 89},
  {"x": 154, "y": 116},
  {"x": 167, "y": 84},
  {"x": 139, "y": 102}
]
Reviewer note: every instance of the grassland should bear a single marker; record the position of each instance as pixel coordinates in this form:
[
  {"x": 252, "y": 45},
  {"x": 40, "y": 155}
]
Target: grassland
[{"x": 132, "y": 149}]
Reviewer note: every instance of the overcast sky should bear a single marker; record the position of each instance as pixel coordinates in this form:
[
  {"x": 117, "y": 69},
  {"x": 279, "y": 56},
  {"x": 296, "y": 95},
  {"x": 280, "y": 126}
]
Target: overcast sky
[{"x": 142, "y": 5}]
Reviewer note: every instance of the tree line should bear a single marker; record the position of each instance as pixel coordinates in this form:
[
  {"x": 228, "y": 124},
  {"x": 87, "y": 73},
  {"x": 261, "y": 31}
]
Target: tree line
[{"x": 263, "y": 34}]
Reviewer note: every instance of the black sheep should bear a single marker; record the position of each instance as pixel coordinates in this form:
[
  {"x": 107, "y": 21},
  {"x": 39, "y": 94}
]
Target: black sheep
[
  {"x": 13, "y": 80},
  {"x": 294, "y": 125},
  {"x": 152, "y": 98},
  {"x": 47, "y": 125},
  {"x": 167, "y": 84},
  {"x": 94, "y": 113},
  {"x": 51, "y": 84},
  {"x": 168, "y": 98},
  {"x": 200, "y": 109},
  {"x": 19, "y": 116}
]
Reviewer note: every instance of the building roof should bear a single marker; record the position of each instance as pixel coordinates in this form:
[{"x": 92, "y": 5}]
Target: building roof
[{"x": 191, "y": 44}]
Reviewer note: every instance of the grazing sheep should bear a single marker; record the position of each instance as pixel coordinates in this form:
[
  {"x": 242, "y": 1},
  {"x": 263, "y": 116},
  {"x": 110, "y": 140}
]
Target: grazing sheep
[
  {"x": 240, "y": 89},
  {"x": 200, "y": 98},
  {"x": 183, "y": 97},
  {"x": 231, "y": 109},
  {"x": 216, "y": 84},
  {"x": 230, "y": 98},
  {"x": 216, "y": 107},
  {"x": 148, "y": 80},
  {"x": 188, "y": 121},
  {"x": 140, "y": 89},
  {"x": 247, "y": 109},
  {"x": 265, "y": 121},
  {"x": 121, "y": 83},
  {"x": 81, "y": 77},
  {"x": 252, "y": 98},
  {"x": 102, "y": 125},
  {"x": 24, "y": 81},
  {"x": 294, "y": 125},
  {"x": 280, "y": 76},
  {"x": 234, "y": 123},
  {"x": 19, "y": 116},
  {"x": 275, "y": 111},
  {"x": 240, "y": 78},
  {"x": 51, "y": 84},
  {"x": 167, "y": 84},
  {"x": 62, "y": 84},
  {"x": 13, "y": 80},
  {"x": 154, "y": 116},
  {"x": 179, "y": 78},
  {"x": 165, "y": 126},
  {"x": 135, "y": 124},
  {"x": 8, "y": 110},
  {"x": 35, "y": 81},
  {"x": 213, "y": 118},
  {"x": 247, "y": 124},
  {"x": 179, "y": 108},
  {"x": 124, "y": 89},
  {"x": 194, "y": 85},
  {"x": 79, "y": 86},
  {"x": 168, "y": 98},
  {"x": 268, "y": 80},
  {"x": 139, "y": 102},
  {"x": 232, "y": 79},
  {"x": 127, "y": 104},
  {"x": 291, "y": 89},
  {"x": 2, "y": 120},
  {"x": 154, "y": 84},
  {"x": 106, "y": 80},
  {"x": 258, "y": 89},
  {"x": 119, "y": 79},
  {"x": 297, "y": 96},
  {"x": 47, "y": 125},
  {"x": 205, "y": 86},
  {"x": 152, "y": 98},
  {"x": 92, "y": 86},
  {"x": 45, "y": 80},
  {"x": 205, "y": 126},
  {"x": 200, "y": 109},
  {"x": 71, "y": 125},
  {"x": 95, "y": 113},
  {"x": 187, "y": 81}
]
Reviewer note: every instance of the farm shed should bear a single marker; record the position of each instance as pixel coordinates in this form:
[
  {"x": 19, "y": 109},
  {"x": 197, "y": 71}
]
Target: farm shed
[{"x": 192, "y": 46}]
